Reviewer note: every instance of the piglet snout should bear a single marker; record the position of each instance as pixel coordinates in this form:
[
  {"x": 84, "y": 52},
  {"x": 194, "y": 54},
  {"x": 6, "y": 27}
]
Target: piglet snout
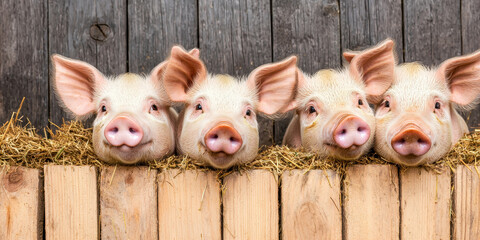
[
  {"x": 123, "y": 131},
  {"x": 351, "y": 131},
  {"x": 223, "y": 138},
  {"x": 411, "y": 140}
]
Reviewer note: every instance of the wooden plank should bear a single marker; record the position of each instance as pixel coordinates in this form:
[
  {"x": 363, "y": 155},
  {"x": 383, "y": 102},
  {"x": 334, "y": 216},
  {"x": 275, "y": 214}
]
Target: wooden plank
[
  {"x": 128, "y": 203},
  {"x": 21, "y": 204},
  {"x": 23, "y": 60},
  {"x": 309, "y": 29},
  {"x": 432, "y": 30},
  {"x": 466, "y": 203},
  {"x": 91, "y": 31},
  {"x": 235, "y": 38},
  {"x": 371, "y": 202},
  {"x": 470, "y": 35},
  {"x": 368, "y": 22},
  {"x": 71, "y": 210},
  {"x": 425, "y": 204},
  {"x": 155, "y": 26},
  {"x": 189, "y": 205},
  {"x": 311, "y": 205},
  {"x": 250, "y": 206}
]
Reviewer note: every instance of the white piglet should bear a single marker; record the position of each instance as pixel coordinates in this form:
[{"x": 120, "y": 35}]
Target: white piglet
[
  {"x": 218, "y": 125},
  {"x": 134, "y": 121}
]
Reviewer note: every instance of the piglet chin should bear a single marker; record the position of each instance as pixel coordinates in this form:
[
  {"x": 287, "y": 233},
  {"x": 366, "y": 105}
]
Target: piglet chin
[{"x": 220, "y": 159}]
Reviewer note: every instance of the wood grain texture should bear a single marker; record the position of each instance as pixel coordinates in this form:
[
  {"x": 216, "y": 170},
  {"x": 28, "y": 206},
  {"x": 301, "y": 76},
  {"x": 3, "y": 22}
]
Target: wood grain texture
[
  {"x": 235, "y": 38},
  {"x": 367, "y": 22},
  {"x": 189, "y": 205},
  {"x": 71, "y": 26},
  {"x": 128, "y": 203},
  {"x": 311, "y": 205},
  {"x": 425, "y": 204},
  {"x": 466, "y": 203},
  {"x": 250, "y": 206},
  {"x": 155, "y": 26},
  {"x": 432, "y": 30},
  {"x": 24, "y": 60},
  {"x": 309, "y": 29},
  {"x": 371, "y": 202},
  {"x": 71, "y": 210},
  {"x": 21, "y": 204}
]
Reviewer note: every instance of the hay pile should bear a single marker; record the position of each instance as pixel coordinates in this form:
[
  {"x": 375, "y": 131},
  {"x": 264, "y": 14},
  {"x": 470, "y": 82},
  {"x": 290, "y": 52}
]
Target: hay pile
[{"x": 70, "y": 144}]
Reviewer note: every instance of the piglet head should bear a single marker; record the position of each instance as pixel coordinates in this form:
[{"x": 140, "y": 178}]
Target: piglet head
[
  {"x": 218, "y": 125},
  {"x": 133, "y": 119},
  {"x": 417, "y": 121}
]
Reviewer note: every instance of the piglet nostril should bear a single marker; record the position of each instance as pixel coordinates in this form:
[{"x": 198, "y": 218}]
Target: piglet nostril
[
  {"x": 115, "y": 130},
  {"x": 132, "y": 130},
  {"x": 343, "y": 131}
]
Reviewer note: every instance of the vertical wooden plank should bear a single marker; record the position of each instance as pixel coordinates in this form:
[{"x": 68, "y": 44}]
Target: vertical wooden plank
[
  {"x": 21, "y": 205},
  {"x": 24, "y": 60},
  {"x": 235, "y": 38},
  {"x": 128, "y": 203},
  {"x": 91, "y": 31},
  {"x": 470, "y": 35},
  {"x": 155, "y": 26},
  {"x": 250, "y": 206},
  {"x": 432, "y": 30},
  {"x": 425, "y": 204},
  {"x": 71, "y": 210},
  {"x": 371, "y": 202},
  {"x": 189, "y": 205},
  {"x": 466, "y": 203},
  {"x": 309, "y": 29},
  {"x": 311, "y": 206},
  {"x": 367, "y": 22}
]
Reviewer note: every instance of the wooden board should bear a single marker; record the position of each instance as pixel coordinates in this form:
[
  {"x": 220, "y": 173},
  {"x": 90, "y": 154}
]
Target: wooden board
[
  {"x": 91, "y": 31},
  {"x": 367, "y": 22},
  {"x": 425, "y": 204},
  {"x": 128, "y": 203},
  {"x": 21, "y": 203},
  {"x": 309, "y": 29},
  {"x": 235, "y": 38},
  {"x": 71, "y": 210},
  {"x": 371, "y": 202},
  {"x": 24, "y": 60},
  {"x": 250, "y": 206},
  {"x": 311, "y": 205},
  {"x": 189, "y": 205},
  {"x": 466, "y": 203},
  {"x": 155, "y": 26}
]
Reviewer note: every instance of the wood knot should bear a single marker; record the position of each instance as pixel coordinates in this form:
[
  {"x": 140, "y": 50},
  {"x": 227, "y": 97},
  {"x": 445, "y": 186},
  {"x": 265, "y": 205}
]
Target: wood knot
[
  {"x": 13, "y": 181},
  {"x": 100, "y": 32},
  {"x": 330, "y": 10},
  {"x": 129, "y": 179}
]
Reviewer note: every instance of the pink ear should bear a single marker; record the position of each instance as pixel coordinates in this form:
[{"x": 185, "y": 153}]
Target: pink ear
[
  {"x": 276, "y": 85},
  {"x": 75, "y": 83},
  {"x": 349, "y": 56},
  {"x": 156, "y": 75},
  {"x": 463, "y": 77},
  {"x": 182, "y": 70},
  {"x": 375, "y": 67}
]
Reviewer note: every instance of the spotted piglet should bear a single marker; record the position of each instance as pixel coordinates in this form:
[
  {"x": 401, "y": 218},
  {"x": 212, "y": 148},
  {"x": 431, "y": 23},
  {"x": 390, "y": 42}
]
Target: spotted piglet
[
  {"x": 333, "y": 117},
  {"x": 218, "y": 126}
]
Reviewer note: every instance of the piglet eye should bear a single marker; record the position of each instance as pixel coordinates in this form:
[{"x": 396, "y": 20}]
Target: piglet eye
[
  {"x": 437, "y": 105},
  {"x": 312, "y": 109},
  {"x": 104, "y": 109},
  {"x": 249, "y": 112},
  {"x": 387, "y": 104},
  {"x": 198, "y": 107},
  {"x": 360, "y": 102},
  {"x": 154, "y": 107}
]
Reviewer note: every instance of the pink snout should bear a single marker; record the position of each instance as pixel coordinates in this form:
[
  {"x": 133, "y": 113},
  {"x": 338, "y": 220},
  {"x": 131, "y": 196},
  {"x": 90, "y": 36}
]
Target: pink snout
[
  {"x": 123, "y": 131},
  {"x": 351, "y": 131},
  {"x": 411, "y": 140},
  {"x": 223, "y": 138}
]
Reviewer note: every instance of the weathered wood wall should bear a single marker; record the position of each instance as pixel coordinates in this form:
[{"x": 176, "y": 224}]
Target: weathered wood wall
[{"x": 234, "y": 37}]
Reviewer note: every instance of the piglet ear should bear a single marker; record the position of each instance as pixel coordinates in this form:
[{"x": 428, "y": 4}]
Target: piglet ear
[
  {"x": 375, "y": 67},
  {"x": 182, "y": 71},
  {"x": 276, "y": 85},
  {"x": 463, "y": 77},
  {"x": 75, "y": 83}
]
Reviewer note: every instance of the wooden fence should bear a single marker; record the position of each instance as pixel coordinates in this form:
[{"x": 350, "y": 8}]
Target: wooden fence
[
  {"x": 369, "y": 202},
  {"x": 234, "y": 37}
]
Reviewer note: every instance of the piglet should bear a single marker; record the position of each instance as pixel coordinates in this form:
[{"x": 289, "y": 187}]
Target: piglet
[
  {"x": 218, "y": 125},
  {"x": 418, "y": 122},
  {"x": 134, "y": 121},
  {"x": 333, "y": 117}
]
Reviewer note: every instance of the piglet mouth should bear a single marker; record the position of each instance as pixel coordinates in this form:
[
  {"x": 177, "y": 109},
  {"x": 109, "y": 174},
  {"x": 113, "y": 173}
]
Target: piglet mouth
[{"x": 126, "y": 148}]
